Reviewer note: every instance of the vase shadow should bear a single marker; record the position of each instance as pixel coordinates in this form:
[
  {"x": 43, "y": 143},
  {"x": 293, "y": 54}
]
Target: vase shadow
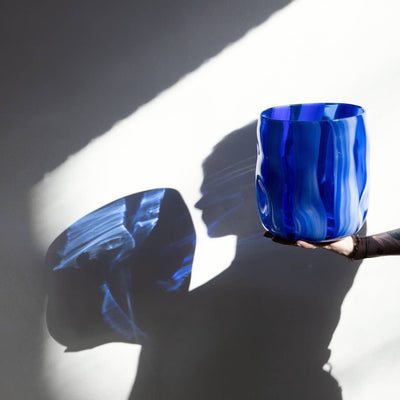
[{"x": 112, "y": 273}]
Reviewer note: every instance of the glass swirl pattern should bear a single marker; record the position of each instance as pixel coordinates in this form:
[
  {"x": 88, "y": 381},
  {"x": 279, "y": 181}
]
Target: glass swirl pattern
[{"x": 312, "y": 179}]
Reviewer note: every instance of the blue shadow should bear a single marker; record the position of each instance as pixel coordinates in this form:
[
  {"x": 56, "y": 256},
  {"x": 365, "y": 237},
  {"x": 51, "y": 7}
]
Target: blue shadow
[{"x": 105, "y": 266}]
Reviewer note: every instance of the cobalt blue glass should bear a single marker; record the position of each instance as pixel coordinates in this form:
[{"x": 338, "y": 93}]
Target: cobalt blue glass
[{"x": 312, "y": 178}]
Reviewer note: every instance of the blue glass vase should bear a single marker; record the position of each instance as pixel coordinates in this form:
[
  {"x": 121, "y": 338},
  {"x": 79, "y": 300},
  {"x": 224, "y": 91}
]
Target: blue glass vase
[{"x": 312, "y": 179}]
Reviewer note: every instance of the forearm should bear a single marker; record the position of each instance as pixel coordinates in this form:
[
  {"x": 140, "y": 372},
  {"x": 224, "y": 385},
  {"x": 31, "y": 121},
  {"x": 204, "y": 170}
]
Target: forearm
[{"x": 386, "y": 243}]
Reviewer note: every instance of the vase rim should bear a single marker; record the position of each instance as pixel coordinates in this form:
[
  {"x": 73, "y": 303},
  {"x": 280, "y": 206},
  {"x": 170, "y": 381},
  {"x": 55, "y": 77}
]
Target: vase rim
[{"x": 353, "y": 111}]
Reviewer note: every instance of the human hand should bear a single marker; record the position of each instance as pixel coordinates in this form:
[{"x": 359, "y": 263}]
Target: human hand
[{"x": 344, "y": 246}]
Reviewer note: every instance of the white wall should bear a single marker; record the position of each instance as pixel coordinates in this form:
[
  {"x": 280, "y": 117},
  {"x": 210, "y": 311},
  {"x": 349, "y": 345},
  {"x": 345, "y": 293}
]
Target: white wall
[{"x": 343, "y": 50}]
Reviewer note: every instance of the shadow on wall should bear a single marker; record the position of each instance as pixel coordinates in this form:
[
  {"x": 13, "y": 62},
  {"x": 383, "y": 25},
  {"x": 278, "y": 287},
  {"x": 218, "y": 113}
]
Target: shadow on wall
[
  {"x": 115, "y": 271},
  {"x": 69, "y": 71},
  {"x": 258, "y": 330},
  {"x": 262, "y": 327}
]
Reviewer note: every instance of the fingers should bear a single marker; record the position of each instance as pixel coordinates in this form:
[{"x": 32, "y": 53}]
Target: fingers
[
  {"x": 306, "y": 245},
  {"x": 278, "y": 239},
  {"x": 342, "y": 246},
  {"x": 268, "y": 235},
  {"x": 299, "y": 243}
]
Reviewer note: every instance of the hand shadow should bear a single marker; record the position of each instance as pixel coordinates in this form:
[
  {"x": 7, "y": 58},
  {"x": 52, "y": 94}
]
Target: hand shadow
[{"x": 261, "y": 329}]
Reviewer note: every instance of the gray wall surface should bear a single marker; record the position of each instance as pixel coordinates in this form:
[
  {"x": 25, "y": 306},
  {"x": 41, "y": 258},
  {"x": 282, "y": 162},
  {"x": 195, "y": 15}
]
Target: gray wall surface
[{"x": 265, "y": 326}]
